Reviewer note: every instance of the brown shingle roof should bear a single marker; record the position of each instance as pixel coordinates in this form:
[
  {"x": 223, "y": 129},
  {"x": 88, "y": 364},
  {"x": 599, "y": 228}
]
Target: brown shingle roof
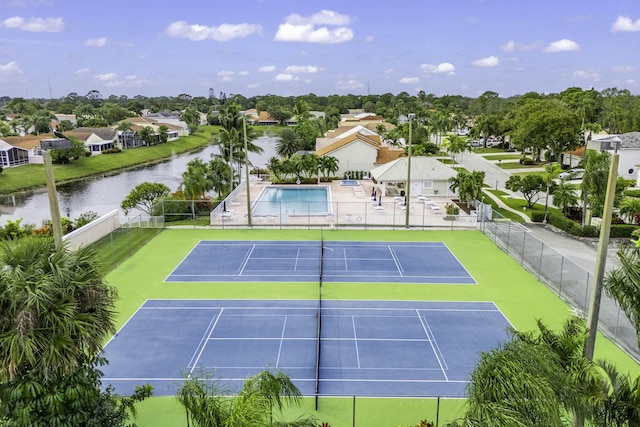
[
  {"x": 388, "y": 154},
  {"x": 27, "y": 141},
  {"x": 373, "y": 140}
]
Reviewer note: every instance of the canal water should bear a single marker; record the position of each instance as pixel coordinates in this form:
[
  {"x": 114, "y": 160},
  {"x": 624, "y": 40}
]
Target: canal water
[{"x": 104, "y": 194}]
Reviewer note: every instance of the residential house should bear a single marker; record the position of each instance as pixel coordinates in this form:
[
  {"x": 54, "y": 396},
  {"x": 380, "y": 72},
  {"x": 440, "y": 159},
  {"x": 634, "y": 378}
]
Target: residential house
[
  {"x": 264, "y": 119},
  {"x": 335, "y": 135},
  {"x": 29, "y": 144},
  {"x": 627, "y": 146},
  {"x": 11, "y": 155},
  {"x": 96, "y": 140},
  {"x": 429, "y": 176},
  {"x": 175, "y": 131},
  {"x": 359, "y": 152}
]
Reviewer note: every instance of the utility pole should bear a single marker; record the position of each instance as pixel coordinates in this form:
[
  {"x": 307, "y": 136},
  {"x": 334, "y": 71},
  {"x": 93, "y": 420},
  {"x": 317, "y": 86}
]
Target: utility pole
[
  {"x": 246, "y": 169},
  {"x": 407, "y": 190}
]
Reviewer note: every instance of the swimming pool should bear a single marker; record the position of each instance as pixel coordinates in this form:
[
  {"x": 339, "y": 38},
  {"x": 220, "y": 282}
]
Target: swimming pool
[
  {"x": 297, "y": 200},
  {"x": 350, "y": 182}
]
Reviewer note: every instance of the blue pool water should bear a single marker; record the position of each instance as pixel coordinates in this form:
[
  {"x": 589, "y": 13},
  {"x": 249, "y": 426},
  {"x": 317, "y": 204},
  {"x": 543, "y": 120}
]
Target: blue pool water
[
  {"x": 349, "y": 182},
  {"x": 290, "y": 200}
]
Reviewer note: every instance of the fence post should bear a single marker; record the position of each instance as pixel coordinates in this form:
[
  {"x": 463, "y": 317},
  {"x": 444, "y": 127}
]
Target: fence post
[
  {"x": 524, "y": 245},
  {"x": 561, "y": 276},
  {"x": 540, "y": 263}
]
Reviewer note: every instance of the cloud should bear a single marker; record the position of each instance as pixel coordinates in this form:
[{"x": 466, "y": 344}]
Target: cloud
[
  {"x": 36, "y": 25},
  {"x": 298, "y": 28},
  {"x": 489, "y": 61},
  {"x": 83, "y": 70},
  {"x": 564, "y": 45},
  {"x": 243, "y": 73},
  {"x": 130, "y": 81},
  {"x": 267, "y": 69},
  {"x": 409, "y": 80},
  {"x": 627, "y": 69},
  {"x": 285, "y": 77},
  {"x": 587, "y": 74},
  {"x": 512, "y": 46},
  {"x": 388, "y": 71},
  {"x": 221, "y": 33},
  {"x": 303, "y": 69},
  {"x": 369, "y": 39},
  {"x": 252, "y": 85},
  {"x": 106, "y": 77},
  {"x": 444, "y": 67},
  {"x": 625, "y": 24},
  {"x": 99, "y": 42},
  {"x": 9, "y": 70},
  {"x": 349, "y": 84},
  {"x": 225, "y": 75}
]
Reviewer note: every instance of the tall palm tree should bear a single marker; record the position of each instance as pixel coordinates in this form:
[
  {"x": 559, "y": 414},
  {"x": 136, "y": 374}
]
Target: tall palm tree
[
  {"x": 288, "y": 144},
  {"x": 630, "y": 207},
  {"x": 456, "y": 145},
  {"x": 564, "y": 196},
  {"x": 195, "y": 180},
  {"x": 551, "y": 172},
  {"x": 620, "y": 405}
]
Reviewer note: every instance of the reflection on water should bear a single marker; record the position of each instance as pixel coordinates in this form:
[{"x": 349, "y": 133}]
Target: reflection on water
[{"x": 104, "y": 194}]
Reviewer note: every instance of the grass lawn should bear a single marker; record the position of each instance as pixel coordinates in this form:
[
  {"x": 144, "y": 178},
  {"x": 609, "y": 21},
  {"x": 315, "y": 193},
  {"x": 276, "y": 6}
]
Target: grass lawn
[
  {"x": 504, "y": 156},
  {"x": 517, "y": 165},
  {"x": 32, "y": 176},
  {"x": 500, "y": 279}
]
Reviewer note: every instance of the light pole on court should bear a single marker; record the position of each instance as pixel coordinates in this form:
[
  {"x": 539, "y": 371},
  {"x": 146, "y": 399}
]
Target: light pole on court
[
  {"x": 407, "y": 190},
  {"x": 47, "y": 145},
  {"x": 246, "y": 169}
]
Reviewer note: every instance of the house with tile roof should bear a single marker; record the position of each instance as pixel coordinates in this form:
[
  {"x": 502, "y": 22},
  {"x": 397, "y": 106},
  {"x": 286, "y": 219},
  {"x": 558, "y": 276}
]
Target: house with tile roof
[
  {"x": 11, "y": 156},
  {"x": 29, "y": 144},
  {"x": 359, "y": 152},
  {"x": 429, "y": 176}
]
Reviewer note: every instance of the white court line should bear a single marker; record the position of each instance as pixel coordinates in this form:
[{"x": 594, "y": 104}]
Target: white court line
[
  {"x": 204, "y": 346},
  {"x": 203, "y": 340},
  {"x": 426, "y": 331},
  {"x": 395, "y": 259},
  {"x": 344, "y": 256},
  {"x": 245, "y": 260},
  {"x": 295, "y": 264},
  {"x": 355, "y": 339},
  {"x": 284, "y": 326}
]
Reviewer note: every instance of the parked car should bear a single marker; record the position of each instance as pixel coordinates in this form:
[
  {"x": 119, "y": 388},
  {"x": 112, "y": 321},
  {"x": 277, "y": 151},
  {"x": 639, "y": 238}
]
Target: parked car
[{"x": 576, "y": 173}]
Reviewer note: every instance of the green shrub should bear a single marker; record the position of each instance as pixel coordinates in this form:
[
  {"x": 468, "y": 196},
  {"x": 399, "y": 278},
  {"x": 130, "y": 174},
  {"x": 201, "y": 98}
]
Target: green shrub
[
  {"x": 632, "y": 193},
  {"x": 622, "y": 230},
  {"x": 537, "y": 216},
  {"x": 528, "y": 162}
]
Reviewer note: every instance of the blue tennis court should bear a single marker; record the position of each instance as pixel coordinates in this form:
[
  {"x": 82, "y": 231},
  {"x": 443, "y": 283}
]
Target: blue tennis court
[
  {"x": 367, "y": 348},
  {"x": 301, "y": 261}
]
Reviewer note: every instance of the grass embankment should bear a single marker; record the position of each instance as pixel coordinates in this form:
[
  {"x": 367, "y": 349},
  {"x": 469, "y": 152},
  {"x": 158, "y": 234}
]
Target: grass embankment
[{"x": 32, "y": 176}]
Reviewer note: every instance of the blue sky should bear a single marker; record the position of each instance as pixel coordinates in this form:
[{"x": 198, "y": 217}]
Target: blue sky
[{"x": 294, "y": 47}]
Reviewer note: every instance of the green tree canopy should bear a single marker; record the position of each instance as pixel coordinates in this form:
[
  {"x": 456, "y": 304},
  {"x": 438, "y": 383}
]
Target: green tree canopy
[{"x": 144, "y": 196}]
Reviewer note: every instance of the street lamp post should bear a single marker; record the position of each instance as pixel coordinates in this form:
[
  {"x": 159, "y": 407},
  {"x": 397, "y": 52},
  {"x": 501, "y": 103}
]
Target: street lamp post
[
  {"x": 407, "y": 190},
  {"x": 246, "y": 170},
  {"x": 56, "y": 222}
]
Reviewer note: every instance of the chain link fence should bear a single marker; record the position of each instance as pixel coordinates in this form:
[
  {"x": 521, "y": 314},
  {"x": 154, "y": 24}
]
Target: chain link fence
[{"x": 565, "y": 278}]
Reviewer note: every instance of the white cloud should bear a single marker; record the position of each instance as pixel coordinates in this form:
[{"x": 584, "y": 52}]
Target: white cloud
[
  {"x": 83, "y": 71},
  {"x": 243, "y": 73},
  {"x": 627, "y": 69},
  {"x": 444, "y": 67},
  {"x": 388, "y": 71},
  {"x": 298, "y": 28},
  {"x": 409, "y": 80},
  {"x": 593, "y": 75},
  {"x": 349, "y": 84},
  {"x": 99, "y": 42},
  {"x": 631, "y": 82},
  {"x": 369, "y": 39},
  {"x": 130, "y": 81},
  {"x": 221, "y": 33},
  {"x": 36, "y": 25},
  {"x": 489, "y": 61},
  {"x": 324, "y": 17},
  {"x": 225, "y": 75},
  {"x": 303, "y": 69},
  {"x": 285, "y": 77},
  {"x": 625, "y": 24},
  {"x": 267, "y": 69},
  {"x": 106, "y": 77},
  {"x": 510, "y": 46},
  {"x": 9, "y": 70},
  {"x": 252, "y": 85},
  {"x": 564, "y": 45}
]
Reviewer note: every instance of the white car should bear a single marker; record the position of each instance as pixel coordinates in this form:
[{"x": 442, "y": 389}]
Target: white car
[{"x": 571, "y": 174}]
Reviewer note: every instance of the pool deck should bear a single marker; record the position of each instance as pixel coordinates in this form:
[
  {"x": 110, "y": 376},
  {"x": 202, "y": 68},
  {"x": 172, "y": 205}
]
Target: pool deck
[{"x": 350, "y": 208}]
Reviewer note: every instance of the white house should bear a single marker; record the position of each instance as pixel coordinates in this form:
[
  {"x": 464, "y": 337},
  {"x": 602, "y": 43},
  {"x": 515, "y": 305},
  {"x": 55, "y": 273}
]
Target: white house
[
  {"x": 628, "y": 145},
  {"x": 429, "y": 176}
]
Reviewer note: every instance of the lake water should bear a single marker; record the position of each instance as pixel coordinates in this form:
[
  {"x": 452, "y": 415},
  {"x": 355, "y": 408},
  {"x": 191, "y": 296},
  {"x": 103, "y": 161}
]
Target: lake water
[{"x": 104, "y": 194}]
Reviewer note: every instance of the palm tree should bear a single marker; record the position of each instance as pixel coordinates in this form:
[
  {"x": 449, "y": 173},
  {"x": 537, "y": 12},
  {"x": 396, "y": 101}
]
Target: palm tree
[
  {"x": 328, "y": 165},
  {"x": 564, "y": 196},
  {"x": 56, "y": 312},
  {"x": 218, "y": 173},
  {"x": 621, "y": 405},
  {"x": 275, "y": 167},
  {"x": 195, "y": 181},
  {"x": 594, "y": 182},
  {"x": 288, "y": 144},
  {"x": 630, "y": 207},
  {"x": 207, "y": 405},
  {"x": 623, "y": 284},
  {"x": 456, "y": 144},
  {"x": 551, "y": 172}
]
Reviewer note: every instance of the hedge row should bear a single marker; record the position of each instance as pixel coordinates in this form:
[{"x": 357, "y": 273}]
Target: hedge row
[{"x": 562, "y": 222}]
